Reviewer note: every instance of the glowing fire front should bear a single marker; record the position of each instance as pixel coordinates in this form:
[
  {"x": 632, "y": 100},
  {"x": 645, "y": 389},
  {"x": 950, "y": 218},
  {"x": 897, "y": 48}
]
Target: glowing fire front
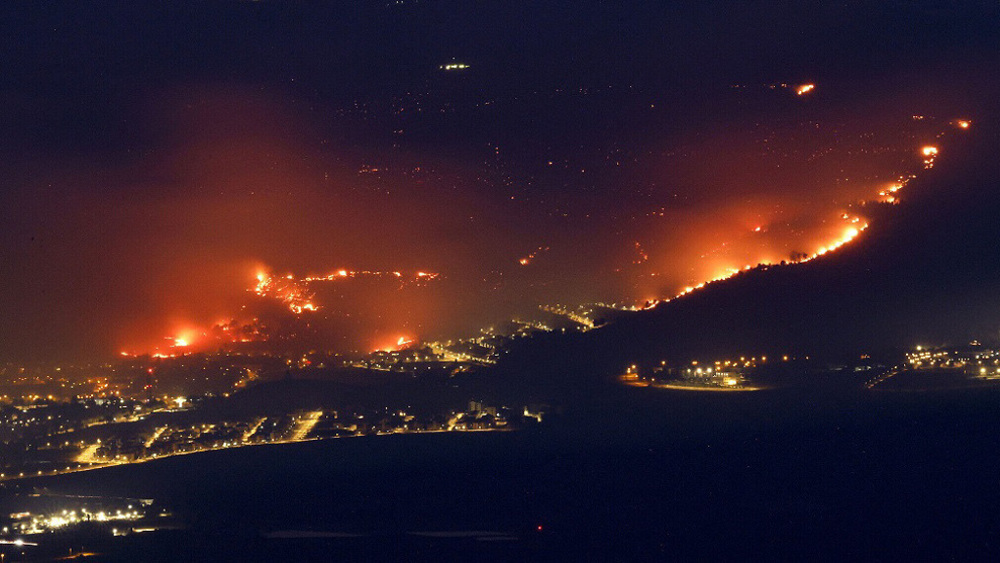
[
  {"x": 805, "y": 89},
  {"x": 298, "y": 296},
  {"x": 856, "y": 225},
  {"x": 294, "y": 293}
]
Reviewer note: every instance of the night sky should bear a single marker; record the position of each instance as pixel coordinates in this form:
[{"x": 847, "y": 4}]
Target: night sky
[{"x": 155, "y": 158}]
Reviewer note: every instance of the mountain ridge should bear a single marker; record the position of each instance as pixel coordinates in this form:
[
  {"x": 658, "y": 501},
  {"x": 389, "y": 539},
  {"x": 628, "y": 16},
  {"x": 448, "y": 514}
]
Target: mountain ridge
[{"x": 926, "y": 272}]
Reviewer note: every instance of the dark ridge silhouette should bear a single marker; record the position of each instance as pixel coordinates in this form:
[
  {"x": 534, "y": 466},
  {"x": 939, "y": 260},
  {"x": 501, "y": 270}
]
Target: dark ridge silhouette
[{"x": 927, "y": 271}]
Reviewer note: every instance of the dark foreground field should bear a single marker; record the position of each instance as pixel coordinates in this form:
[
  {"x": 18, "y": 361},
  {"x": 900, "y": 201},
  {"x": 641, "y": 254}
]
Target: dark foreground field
[{"x": 658, "y": 474}]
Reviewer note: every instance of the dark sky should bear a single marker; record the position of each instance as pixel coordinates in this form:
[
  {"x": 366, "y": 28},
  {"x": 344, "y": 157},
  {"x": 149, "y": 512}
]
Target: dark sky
[{"x": 154, "y": 156}]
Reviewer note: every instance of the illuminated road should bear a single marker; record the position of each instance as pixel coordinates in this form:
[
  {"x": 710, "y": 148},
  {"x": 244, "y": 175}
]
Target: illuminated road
[
  {"x": 157, "y": 434},
  {"x": 89, "y": 455},
  {"x": 634, "y": 381},
  {"x": 571, "y": 315},
  {"x": 711, "y": 388},
  {"x": 304, "y": 426},
  {"x": 253, "y": 429},
  {"x": 18, "y": 542},
  {"x": 870, "y": 384},
  {"x": 449, "y": 356}
]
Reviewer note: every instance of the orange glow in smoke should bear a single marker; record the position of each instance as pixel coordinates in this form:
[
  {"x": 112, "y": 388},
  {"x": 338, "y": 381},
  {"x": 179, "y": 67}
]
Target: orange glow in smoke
[
  {"x": 185, "y": 338},
  {"x": 400, "y": 343}
]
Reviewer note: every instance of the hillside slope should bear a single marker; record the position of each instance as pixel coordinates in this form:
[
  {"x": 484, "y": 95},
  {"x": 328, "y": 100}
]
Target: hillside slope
[{"x": 927, "y": 271}]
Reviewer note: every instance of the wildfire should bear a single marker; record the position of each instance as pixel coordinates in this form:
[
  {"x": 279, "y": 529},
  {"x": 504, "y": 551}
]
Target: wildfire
[
  {"x": 804, "y": 89},
  {"x": 285, "y": 289},
  {"x": 855, "y": 224},
  {"x": 295, "y": 293},
  {"x": 643, "y": 256},
  {"x": 892, "y": 189},
  {"x": 299, "y": 298},
  {"x": 298, "y": 294},
  {"x": 191, "y": 339},
  {"x": 393, "y": 346},
  {"x": 929, "y": 153},
  {"x": 534, "y": 254}
]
